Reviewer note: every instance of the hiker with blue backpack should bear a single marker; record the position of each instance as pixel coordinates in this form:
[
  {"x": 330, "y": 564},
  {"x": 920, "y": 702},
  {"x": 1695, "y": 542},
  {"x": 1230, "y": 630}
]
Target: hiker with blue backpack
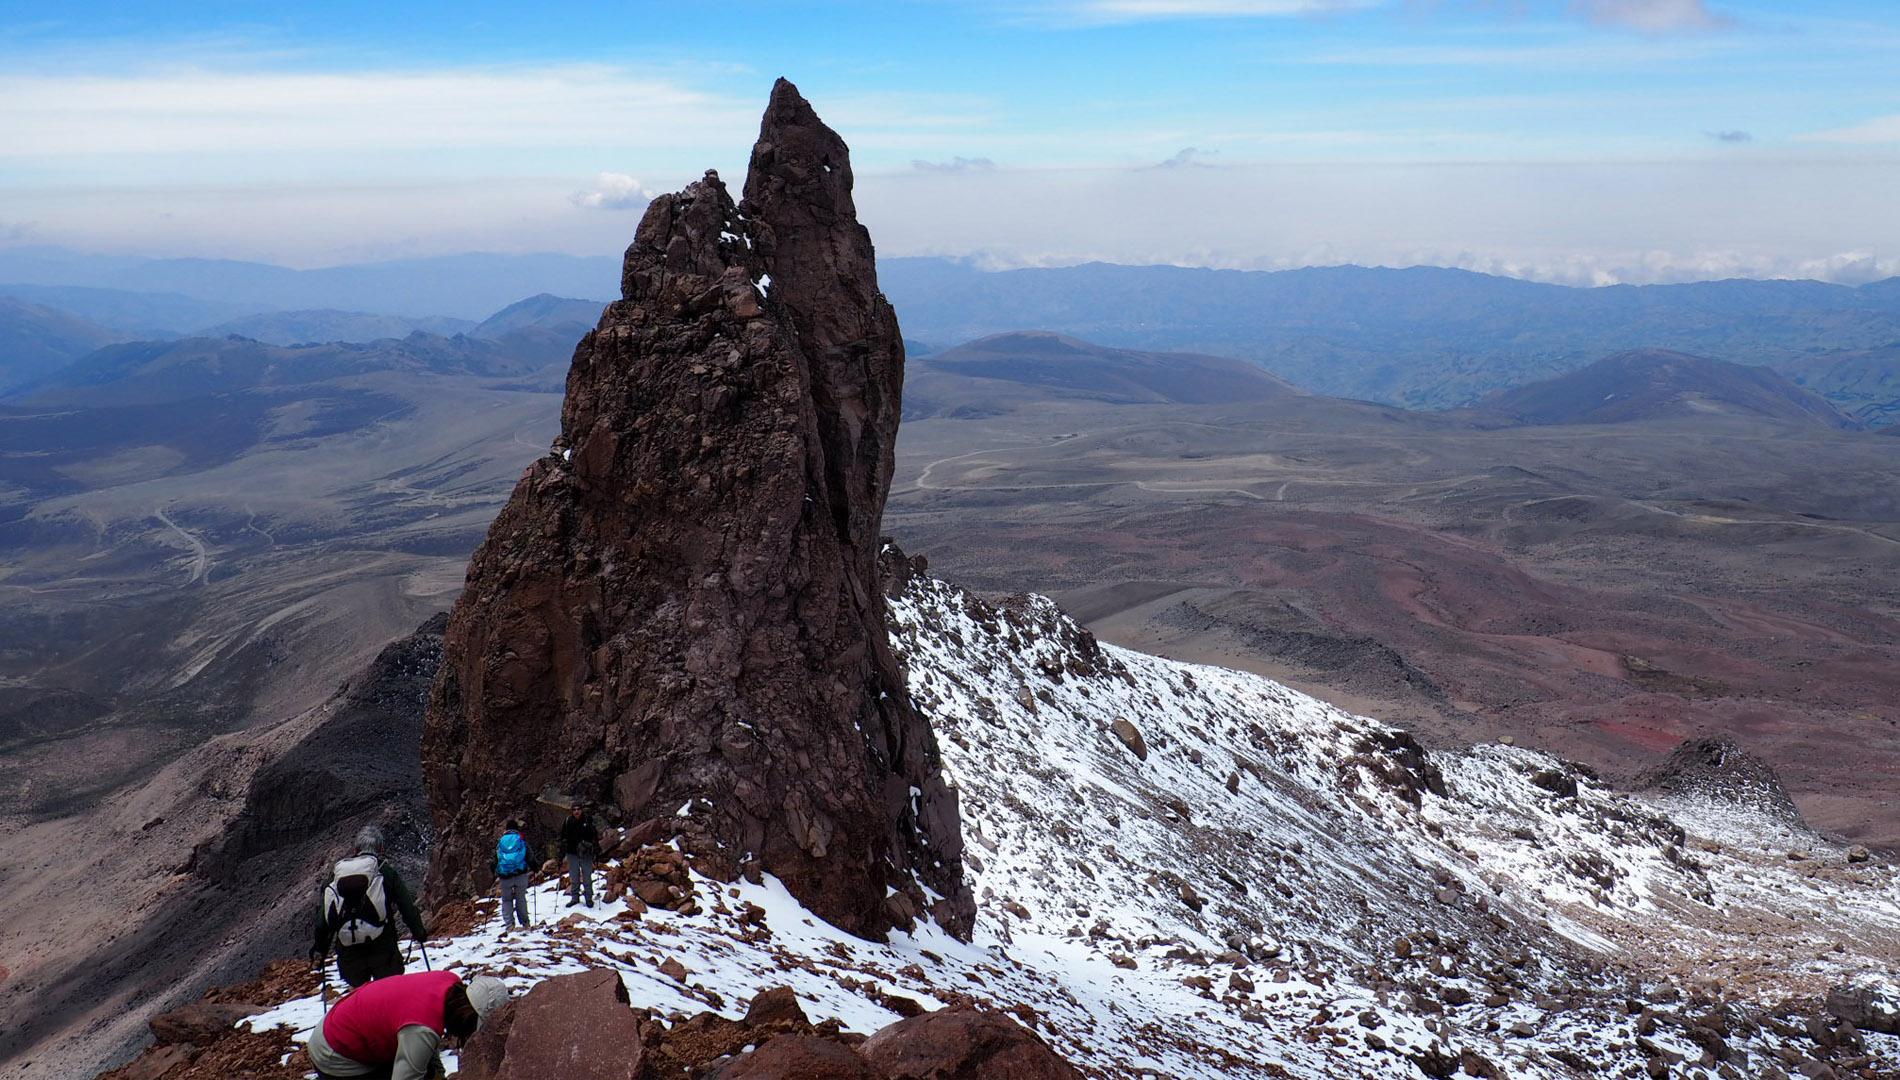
[
  {"x": 511, "y": 869},
  {"x": 356, "y": 913}
]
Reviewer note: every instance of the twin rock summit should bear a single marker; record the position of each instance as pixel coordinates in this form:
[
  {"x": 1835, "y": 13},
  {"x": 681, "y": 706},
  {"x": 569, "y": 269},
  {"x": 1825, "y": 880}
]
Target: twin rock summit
[{"x": 679, "y": 612}]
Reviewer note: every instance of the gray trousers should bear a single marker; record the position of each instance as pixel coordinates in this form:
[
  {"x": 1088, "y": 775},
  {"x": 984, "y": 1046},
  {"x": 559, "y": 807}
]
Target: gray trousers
[
  {"x": 580, "y": 875},
  {"x": 514, "y": 901}
]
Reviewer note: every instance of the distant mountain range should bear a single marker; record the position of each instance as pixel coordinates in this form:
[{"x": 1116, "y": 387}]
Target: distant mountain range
[
  {"x": 301, "y": 327},
  {"x": 1656, "y": 384},
  {"x": 46, "y": 354},
  {"x": 1421, "y": 337},
  {"x": 149, "y": 372}
]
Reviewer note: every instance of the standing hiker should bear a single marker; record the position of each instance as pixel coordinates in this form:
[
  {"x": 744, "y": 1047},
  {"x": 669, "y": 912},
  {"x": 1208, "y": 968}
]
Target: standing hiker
[
  {"x": 511, "y": 869},
  {"x": 354, "y": 913},
  {"x": 580, "y": 842},
  {"x": 395, "y": 1027}
]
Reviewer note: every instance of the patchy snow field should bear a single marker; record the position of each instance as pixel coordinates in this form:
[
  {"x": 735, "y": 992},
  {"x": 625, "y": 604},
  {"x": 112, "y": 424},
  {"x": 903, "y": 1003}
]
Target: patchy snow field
[{"x": 1191, "y": 872}]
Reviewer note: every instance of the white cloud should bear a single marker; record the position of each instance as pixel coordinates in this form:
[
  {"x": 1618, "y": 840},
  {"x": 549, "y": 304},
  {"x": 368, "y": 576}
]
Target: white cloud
[
  {"x": 614, "y": 191},
  {"x": 199, "y": 110},
  {"x": 1652, "y": 16},
  {"x": 1881, "y": 129},
  {"x": 1626, "y": 52}
]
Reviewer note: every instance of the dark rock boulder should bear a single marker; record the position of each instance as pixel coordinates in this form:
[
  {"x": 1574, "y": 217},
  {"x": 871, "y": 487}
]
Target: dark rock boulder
[
  {"x": 963, "y": 1044},
  {"x": 776, "y": 1007},
  {"x": 577, "y": 1027},
  {"x": 1862, "y": 1007},
  {"x": 200, "y": 1023},
  {"x": 798, "y": 1057},
  {"x": 680, "y": 607}
]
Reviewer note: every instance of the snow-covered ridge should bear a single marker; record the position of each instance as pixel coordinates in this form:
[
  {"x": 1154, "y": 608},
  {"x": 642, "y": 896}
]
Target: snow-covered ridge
[{"x": 1191, "y": 872}]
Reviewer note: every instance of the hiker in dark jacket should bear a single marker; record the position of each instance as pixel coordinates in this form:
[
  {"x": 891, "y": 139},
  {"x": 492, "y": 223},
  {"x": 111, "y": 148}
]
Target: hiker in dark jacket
[
  {"x": 356, "y": 913},
  {"x": 580, "y": 842},
  {"x": 511, "y": 871},
  {"x": 395, "y": 1028}
]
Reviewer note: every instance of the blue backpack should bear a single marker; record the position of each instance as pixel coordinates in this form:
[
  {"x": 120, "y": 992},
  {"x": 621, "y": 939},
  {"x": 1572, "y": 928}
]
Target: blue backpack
[{"x": 511, "y": 855}]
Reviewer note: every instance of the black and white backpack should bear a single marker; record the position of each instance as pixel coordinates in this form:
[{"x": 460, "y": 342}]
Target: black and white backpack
[{"x": 354, "y": 903}]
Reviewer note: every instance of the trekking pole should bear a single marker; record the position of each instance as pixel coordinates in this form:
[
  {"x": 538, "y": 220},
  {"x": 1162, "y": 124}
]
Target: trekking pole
[
  {"x": 323, "y": 981},
  {"x": 425, "y": 956}
]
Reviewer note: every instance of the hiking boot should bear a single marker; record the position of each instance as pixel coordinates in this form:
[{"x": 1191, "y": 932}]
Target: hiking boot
[{"x": 573, "y": 902}]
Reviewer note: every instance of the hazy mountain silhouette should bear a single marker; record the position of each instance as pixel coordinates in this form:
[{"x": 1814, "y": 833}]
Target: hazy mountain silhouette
[
  {"x": 35, "y": 340},
  {"x": 461, "y": 286},
  {"x": 133, "y": 313}
]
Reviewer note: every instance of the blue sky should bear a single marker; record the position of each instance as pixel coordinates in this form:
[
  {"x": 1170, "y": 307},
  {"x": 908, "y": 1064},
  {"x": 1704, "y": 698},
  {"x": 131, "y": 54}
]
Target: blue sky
[{"x": 1579, "y": 140}]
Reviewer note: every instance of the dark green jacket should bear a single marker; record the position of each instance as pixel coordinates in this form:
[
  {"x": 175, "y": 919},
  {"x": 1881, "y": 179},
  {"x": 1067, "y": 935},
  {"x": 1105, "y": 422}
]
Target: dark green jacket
[{"x": 399, "y": 898}]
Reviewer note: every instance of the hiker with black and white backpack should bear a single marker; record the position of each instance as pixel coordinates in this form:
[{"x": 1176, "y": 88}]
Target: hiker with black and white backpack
[{"x": 356, "y": 913}]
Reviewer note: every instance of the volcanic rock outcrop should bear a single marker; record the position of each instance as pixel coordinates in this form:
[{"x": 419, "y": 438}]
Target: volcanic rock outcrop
[
  {"x": 677, "y": 615},
  {"x": 1719, "y": 771}
]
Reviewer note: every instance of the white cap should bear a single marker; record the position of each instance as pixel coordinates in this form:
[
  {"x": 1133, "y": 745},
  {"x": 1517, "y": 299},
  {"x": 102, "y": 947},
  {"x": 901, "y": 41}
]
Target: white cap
[{"x": 485, "y": 994}]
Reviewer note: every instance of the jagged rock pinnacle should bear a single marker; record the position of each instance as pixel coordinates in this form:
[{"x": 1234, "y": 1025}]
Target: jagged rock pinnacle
[{"x": 677, "y": 614}]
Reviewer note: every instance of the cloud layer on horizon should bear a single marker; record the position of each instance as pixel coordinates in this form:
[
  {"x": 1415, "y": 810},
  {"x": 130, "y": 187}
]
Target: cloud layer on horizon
[
  {"x": 1581, "y": 224},
  {"x": 1543, "y": 146}
]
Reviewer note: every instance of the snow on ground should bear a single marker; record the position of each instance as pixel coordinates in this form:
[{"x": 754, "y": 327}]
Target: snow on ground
[{"x": 1277, "y": 889}]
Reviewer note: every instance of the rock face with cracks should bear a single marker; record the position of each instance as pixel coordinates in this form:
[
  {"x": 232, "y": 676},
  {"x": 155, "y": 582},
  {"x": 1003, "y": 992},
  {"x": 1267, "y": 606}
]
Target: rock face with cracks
[{"x": 677, "y": 615}]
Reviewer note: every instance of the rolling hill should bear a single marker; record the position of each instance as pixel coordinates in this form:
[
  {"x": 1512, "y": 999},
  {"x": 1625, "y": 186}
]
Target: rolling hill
[
  {"x": 543, "y": 311},
  {"x": 1011, "y": 371},
  {"x": 1655, "y": 384}
]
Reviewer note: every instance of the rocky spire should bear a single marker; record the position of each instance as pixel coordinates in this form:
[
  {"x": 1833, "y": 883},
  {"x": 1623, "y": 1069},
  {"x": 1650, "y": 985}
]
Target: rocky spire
[{"x": 677, "y": 614}]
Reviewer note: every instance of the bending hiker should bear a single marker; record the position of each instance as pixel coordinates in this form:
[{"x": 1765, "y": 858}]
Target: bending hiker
[
  {"x": 580, "y": 842},
  {"x": 354, "y": 913},
  {"x": 511, "y": 869},
  {"x": 395, "y": 1027}
]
